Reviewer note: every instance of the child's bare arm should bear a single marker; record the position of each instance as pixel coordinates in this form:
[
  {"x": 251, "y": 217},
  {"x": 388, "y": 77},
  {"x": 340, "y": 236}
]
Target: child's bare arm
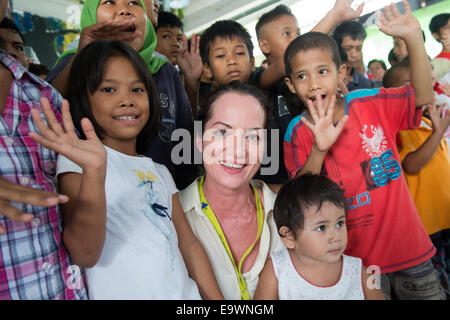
[
  {"x": 325, "y": 134},
  {"x": 85, "y": 214},
  {"x": 267, "y": 288},
  {"x": 407, "y": 27},
  {"x": 194, "y": 256},
  {"x": 415, "y": 160},
  {"x": 341, "y": 12},
  {"x": 370, "y": 293},
  {"x": 274, "y": 73}
]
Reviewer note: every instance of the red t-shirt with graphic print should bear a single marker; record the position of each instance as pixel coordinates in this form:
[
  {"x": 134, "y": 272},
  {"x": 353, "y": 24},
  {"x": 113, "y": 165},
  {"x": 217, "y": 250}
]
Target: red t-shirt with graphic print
[{"x": 384, "y": 228}]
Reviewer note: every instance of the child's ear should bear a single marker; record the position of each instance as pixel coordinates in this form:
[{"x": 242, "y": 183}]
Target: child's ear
[
  {"x": 290, "y": 84},
  {"x": 264, "y": 46},
  {"x": 288, "y": 237},
  {"x": 436, "y": 36},
  {"x": 342, "y": 72},
  {"x": 252, "y": 64},
  {"x": 208, "y": 72}
]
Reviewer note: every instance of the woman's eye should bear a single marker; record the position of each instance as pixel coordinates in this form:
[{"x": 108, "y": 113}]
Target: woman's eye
[
  {"x": 220, "y": 133},
  {"x": 320, "y": 228},
  {"x": 253, "y": 137}
]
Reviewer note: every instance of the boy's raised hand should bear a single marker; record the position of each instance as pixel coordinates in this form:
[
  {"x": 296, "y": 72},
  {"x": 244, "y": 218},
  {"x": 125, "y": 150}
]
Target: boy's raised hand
[
  {"x": 439, "y": 118},
  {"x": 190, "y": 61},
  {"x": 395, "y": 24},
  {"x": 89, "y": 154},
  {"x": 325, "y": 133},
  {"x": 343, "y": 8}
]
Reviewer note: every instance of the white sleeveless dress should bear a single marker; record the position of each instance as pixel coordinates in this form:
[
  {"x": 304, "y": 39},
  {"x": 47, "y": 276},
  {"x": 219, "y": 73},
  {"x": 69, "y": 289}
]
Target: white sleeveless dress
[{"x": 292, "y": 286}]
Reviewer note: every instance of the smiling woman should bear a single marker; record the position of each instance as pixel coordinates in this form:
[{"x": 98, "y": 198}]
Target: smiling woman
[{"x": 230, "y": 213}]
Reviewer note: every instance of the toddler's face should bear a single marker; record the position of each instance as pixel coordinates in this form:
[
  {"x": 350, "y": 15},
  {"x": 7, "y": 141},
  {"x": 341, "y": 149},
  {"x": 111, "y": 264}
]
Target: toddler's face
[
  {"x": 324, "y": 234},
  {"x": 229, "y": 60}
]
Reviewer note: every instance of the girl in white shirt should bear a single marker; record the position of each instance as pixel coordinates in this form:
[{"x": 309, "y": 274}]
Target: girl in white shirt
[{"x": 123, "y": 222}]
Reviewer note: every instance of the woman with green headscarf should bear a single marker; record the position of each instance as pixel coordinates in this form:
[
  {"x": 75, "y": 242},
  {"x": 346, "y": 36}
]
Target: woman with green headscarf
[{"x": 127, "y": 21}]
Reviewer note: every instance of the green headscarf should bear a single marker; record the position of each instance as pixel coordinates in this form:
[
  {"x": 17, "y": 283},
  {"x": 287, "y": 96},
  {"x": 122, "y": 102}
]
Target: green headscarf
[{"x": 89, "y": 17}]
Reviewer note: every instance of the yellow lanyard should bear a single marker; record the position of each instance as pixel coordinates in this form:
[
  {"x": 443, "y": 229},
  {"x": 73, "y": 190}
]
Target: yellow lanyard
[{"x": 210, "y": 214}]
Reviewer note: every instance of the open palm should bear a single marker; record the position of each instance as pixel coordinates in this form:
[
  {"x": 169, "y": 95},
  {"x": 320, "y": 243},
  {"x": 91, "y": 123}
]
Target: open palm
[
  {"x": 323, "y": 129},
  {"x": 395, "y": 24},
  {"x": 89, "y": 154}
]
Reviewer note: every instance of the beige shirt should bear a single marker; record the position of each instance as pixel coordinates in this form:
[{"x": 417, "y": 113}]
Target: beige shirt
[{"x": 223, "y": 267}]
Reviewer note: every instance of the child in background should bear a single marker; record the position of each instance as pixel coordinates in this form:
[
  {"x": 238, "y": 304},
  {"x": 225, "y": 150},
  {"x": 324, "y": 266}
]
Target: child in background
[
  {"x": 14, "y": 42},
  {"x": 362, "y": 156},
  {"x": 123, "y": 221},
  {"x": 169, "y": 35},
  {"x": 440, "y": 30},
  {"x": 310, "y": 216},
  {"x": 425, "y": 160},
  {"x": 377, "y": 69}
]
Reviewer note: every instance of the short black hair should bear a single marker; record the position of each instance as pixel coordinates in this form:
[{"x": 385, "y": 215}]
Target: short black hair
[
  {"x": 343, "y": 54},
  {"x": 353, "y": 29},
  {"x": 310, "y": 41},
  {"x": 205, "y": 112},
  {"x": 168, "y": 19},
  {"x": 390, "y": 77},
  {"x": 7, "y": 23},
  {"x": 271, "y": 15},
  {"x": 301, "y": 193},
  {"x": 439, "y": 21},
  {"x": 224, "y": 29},
  {"x": 86, "y": 75},
  {"x": 383, "y": 65}
]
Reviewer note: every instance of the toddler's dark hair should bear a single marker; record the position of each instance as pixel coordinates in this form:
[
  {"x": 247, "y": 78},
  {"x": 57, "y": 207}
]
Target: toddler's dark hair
[
  {"x": 390, "y": 77},
  {"x": 310, "y": 41},
  {"x": 301, "y": 193}
]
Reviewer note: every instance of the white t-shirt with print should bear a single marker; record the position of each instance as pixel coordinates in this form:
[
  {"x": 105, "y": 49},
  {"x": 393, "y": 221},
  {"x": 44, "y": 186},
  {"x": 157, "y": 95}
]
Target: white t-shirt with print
[{"x": 140, "y": 257}]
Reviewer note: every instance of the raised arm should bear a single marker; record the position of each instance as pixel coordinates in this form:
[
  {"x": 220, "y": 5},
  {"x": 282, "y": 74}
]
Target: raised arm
[
  {"x": 84, "y": 215},
  {"x": 407, "y": 27},
  {"x": 415, "y": 160},
  {"x": 341, "y": 12}
]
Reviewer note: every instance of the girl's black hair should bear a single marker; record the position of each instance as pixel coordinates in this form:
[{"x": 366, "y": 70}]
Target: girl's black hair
[
  {"x": 86, "y": 75},
  {"x": 205, "y": 112},
  {"x": 301, "y": 193}
]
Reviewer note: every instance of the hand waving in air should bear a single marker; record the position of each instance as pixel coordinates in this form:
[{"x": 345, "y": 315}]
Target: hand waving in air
[
  {"x": 89, "y": 154},
  {"x": 395, "y": 24},
  {"x": 323, "y": 129}
]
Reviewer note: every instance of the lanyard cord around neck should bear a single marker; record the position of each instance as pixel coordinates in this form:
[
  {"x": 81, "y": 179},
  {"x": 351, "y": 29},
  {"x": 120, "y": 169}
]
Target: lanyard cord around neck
[{"x": 212, "y": 218}]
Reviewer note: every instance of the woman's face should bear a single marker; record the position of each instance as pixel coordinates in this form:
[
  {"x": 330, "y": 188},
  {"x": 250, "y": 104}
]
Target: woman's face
[
  {"x": 117, "y": 10},
  {"x": 233, "y": 141}
]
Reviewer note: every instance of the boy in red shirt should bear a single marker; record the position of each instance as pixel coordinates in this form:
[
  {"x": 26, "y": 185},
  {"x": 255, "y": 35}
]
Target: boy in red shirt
[{"x": 384, "y": 228}]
